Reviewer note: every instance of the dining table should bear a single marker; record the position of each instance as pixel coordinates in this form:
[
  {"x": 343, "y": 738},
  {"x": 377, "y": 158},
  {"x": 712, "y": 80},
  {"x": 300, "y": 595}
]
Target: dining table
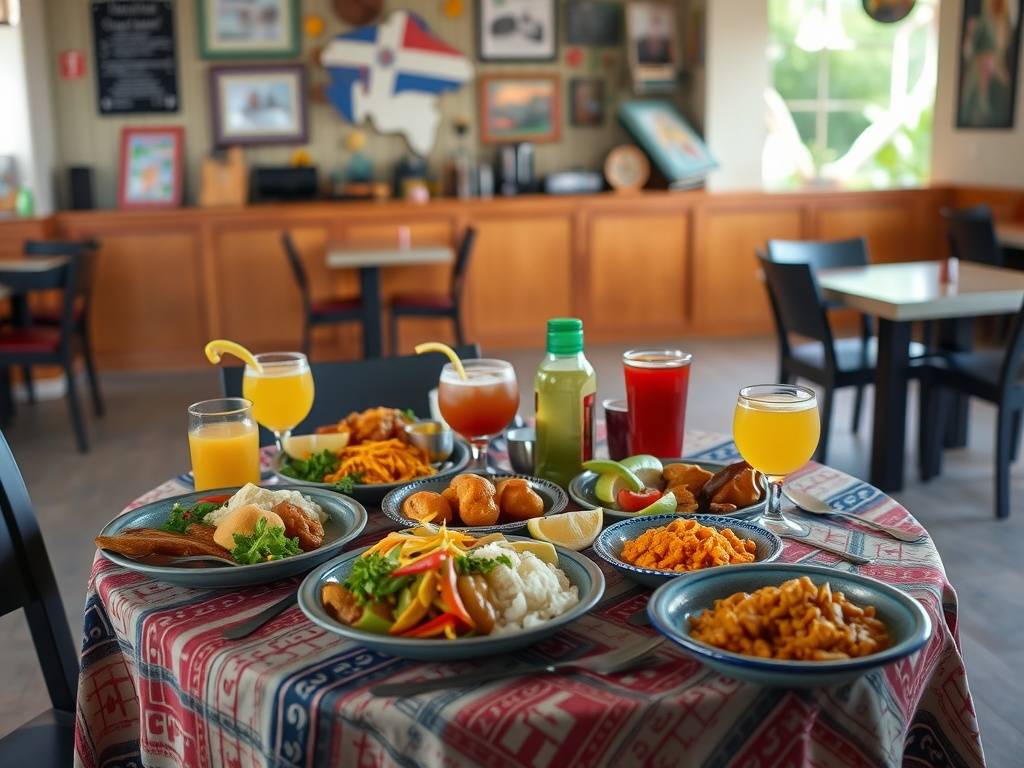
[
  {"x": 161, "y": 685},
  {"x": 899, "y": 295},
  {"x": 369, "y": 260}
]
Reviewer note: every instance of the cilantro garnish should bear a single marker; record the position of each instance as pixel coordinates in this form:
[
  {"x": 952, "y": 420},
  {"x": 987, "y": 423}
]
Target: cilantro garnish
[{"x": 264, "y": 543}]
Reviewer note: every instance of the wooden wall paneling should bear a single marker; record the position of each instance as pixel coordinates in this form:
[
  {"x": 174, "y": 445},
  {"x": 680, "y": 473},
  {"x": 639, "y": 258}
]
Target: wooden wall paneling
[
  {"x": 1006, "y": 204},
  {"x": 888, "y": 226}
]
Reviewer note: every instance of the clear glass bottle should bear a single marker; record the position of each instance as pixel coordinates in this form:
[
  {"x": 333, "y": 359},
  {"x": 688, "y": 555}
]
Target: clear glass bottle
[{"x": 565, "y": 389}]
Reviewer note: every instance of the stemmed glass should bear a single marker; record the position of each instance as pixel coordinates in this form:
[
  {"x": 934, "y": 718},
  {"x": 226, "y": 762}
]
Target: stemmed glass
[
  {"x": 281, "y": 394},
  {"x": 480, "y": 406},
  {"x": 776, "y": 428}
]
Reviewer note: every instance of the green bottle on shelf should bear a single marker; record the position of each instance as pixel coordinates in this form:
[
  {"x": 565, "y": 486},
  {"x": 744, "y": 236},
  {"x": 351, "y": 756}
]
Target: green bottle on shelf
[{"x": 565, "y": 389}]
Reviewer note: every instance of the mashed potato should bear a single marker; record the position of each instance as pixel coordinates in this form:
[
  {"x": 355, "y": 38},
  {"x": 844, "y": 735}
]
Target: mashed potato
[
  {"x": 266, "y": 499},
  {"x": 527, "y": 594}
]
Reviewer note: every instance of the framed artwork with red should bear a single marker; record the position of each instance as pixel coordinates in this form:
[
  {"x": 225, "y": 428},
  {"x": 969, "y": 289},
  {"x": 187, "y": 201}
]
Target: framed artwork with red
[{"x": 152, "y": 162}]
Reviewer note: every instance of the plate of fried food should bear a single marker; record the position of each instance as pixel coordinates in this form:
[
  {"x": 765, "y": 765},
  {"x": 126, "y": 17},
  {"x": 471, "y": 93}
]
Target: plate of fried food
[
  {"x": 476, "y": 503},
  {"x": 789, "y": 625},
  {"x": 439, "y": 594},
  {"x": 651, "y": 549},
  {"x": 233, "y": 537},
  {"x": 371, "y": 452},
  {"x": 643, "y": 485}
]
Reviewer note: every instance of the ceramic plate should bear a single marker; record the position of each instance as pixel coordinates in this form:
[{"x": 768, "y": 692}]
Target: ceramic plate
[
  {"x": 372, "y": 494},
  {"x": 609, "y": 544},
  {"x": 555, "y": 501},
  {"x": 346, "y": 519},
  {"x": 581, "y": 489},
  {"x": 581, "y": 571},
  {"x": 674, "y": 602}
]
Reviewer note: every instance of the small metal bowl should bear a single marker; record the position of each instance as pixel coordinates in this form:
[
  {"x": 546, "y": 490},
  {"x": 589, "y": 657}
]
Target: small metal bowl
[
  {"x": 438, "y": 444},
  {"x": 520, "y": 448}
]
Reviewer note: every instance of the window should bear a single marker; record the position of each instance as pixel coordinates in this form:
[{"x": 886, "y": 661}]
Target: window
[{"x": 851, "y": 98}]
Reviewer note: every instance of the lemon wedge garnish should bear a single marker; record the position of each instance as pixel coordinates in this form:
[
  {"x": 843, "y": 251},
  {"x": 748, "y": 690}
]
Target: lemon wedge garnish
[
  {"x": 218, "y": 347},
  {"x": 444, "y": 349},
  {"x": 304, "y": 446},
  {"x": 572, "y": 530}
]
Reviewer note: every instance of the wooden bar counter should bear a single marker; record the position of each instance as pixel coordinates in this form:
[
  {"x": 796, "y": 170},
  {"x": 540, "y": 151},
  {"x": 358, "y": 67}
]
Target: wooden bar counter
[{"x": 639, "y": 267}]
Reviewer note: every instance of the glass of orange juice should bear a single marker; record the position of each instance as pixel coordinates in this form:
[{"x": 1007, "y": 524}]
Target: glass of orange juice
[
  {"x": 224, "y": 442},
  {"x": 282, "y": 393},
  {"x": 776, "y": 429}
]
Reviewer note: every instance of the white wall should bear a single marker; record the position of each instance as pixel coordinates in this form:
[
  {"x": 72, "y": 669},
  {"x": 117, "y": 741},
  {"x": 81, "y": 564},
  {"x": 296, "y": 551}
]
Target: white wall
[{"x": 971, "y": 156}]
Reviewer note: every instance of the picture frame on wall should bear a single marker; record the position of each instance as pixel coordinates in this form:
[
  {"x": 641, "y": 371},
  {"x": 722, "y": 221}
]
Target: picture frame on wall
[
  {"x": 593, "y": 22},
  {"x": 152, "y": 163},
  {"x": 517, "y": 30},
  {"x": 520, "y": 107},
  {"x": 652, "y": 45},
  {"x": 586, "y": 102},
  {"x": 259, "y": 104},
  {"x": 989, "y": 64},
  {"x": 248, "y": 29}
]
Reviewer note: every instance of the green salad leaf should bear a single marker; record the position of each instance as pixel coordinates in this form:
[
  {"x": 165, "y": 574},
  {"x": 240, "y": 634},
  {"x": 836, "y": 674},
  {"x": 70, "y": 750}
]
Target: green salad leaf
[
  {"x": 348, "y": 483},
  {"x": 370, "y": 579},
  {"x": 264, "y": 543},
  {"x": 466, "y": 564},
  {"x": 410, "y": 415},
  {"x": 313, "y": 469},
  {"x": 182, "y": 517}
]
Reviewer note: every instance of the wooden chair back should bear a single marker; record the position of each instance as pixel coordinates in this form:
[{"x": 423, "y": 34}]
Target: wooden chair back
[{"x": 85, "y": 252}]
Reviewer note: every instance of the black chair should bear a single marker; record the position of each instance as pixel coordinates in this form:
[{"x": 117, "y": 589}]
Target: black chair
[
  {"x": 318, "y": 313},
  {"x": 28, "y": 584},
  {"x": 343, "y": 387},
  {"x": 829, "y": 362},
  {"x": 996, "y": 376},
  {"x": 86, "y": 252},
  {"x": 38, "y": 345},
  {"x": 434, "y": 304},
  {"x": 972, "y": 235}
]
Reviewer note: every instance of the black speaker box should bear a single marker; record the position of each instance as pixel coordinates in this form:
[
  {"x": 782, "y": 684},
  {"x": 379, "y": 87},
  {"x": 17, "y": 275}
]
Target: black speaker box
[{"x": 80, "y": 188}]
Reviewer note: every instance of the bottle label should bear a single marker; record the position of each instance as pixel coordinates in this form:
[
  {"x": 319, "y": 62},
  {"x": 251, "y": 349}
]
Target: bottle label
[{"x": 588, "y": 426}]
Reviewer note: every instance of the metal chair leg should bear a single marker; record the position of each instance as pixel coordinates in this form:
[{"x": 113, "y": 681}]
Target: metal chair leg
[
  {"x": 307, "y": 337},
  {"x": 858, "y": 404},
  {"x": 460, "y": 338},
  {"x": 90, "y": 371},
  {"x": 825, "y": 410},
  {"x": 393, "y": 329},
  {"x": 1015, "y": 436},
  {"x": 75, "y": 409},
  {"x": 30, "y": 389},
  {"x": 1004, "y": 430}
]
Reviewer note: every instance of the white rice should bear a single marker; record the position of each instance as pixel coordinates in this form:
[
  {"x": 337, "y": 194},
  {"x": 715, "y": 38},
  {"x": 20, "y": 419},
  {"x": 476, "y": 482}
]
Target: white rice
[
  {"x": 527, "y": 594},
  {"x": 265, "y": 499}
]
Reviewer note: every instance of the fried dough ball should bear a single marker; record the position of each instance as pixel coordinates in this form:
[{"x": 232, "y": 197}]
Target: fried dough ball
[
  {"x": 297, "y": 523},
  {"x": 476, "y": 499},
  {"x": 742, "y": 490},
  {"x": 686, "y": 502},
  {"x": 517, "y": 500},
  {"x": 692, "y": 476},
  {"x": 428, "y": 507},
  {"x": 452, "y": 498}
]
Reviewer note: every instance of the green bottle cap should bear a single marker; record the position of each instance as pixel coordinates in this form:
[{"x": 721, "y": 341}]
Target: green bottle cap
[{"x": 565, "y": 336}]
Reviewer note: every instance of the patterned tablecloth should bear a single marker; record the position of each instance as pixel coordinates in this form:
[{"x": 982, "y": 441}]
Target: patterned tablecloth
[{"x": 160, "y": 686}]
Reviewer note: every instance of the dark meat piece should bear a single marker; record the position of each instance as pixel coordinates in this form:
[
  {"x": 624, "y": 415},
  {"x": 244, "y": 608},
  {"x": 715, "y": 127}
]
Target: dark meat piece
[
  {"x": 202, "y": 532},
  {"x": 142, "y": 542},
  {"x": 298, "y": 524}
]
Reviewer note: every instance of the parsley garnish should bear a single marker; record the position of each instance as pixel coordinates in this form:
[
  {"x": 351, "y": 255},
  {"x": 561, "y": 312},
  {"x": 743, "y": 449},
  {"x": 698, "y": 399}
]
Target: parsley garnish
[
  {"x": 313, "y": 469},
  {"x": 264, "y": 543},
  {"x": 410, "y": 415},
  {"x": 370, "y": 579},
  {"x": 182, "y": 517},
  {"x": 348, "y": 483},
  {"x": 468, "y": 564}
]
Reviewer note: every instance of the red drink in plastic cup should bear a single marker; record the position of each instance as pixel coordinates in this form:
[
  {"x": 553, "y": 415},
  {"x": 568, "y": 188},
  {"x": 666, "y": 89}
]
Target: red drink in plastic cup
[{"x": 657, "y": 381}]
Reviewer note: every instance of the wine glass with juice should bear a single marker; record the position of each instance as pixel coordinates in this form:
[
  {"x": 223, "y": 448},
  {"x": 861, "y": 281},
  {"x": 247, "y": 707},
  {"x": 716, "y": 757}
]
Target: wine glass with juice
[
  {"x": 480, "y": 406},
  {"x": 281, "y": 393}
]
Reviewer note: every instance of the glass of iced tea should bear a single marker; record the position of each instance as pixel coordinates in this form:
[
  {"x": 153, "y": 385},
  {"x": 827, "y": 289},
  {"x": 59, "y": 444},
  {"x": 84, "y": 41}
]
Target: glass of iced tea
[
  {"x": 480, "y": 406},
  {"x": 657, "y": 382}
]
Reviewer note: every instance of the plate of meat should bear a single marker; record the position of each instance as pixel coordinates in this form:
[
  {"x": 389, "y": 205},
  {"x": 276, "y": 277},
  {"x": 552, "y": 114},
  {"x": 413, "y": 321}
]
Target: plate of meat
[{"x": 233, "y": 537}]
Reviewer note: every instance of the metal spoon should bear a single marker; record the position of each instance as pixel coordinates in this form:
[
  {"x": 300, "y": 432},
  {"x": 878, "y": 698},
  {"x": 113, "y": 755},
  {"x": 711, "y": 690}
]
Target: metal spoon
[{"x": 815, "y": 506}]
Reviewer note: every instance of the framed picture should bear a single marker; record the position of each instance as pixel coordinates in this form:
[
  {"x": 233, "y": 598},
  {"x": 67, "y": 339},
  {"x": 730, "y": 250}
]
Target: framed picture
[
  {"x": 652, "y": 46},
  {"x": 519, "y": 108},
  {"x": 593, "y": 22},
  {"x": 258, "y": 104},
  {"x": 151, "y": 167},
  {"x": 586, "y": 101},
  {"x": 516, "y": 30},
  {"x": 989, "y": 64},
  {"x": 247, "y": 29},
  {"x": 670, "y": 142}
]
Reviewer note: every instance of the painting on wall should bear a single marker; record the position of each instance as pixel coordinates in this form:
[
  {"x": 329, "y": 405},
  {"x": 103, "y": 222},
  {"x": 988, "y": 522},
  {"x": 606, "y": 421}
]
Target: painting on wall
[
  {"x": 989, "y": 63},
  {"x": 258, "y": 104},
  {"x": 519, "y": 108},
  {"x": 652, "y": 47},
  {"x": 517, "y": 30},
  {"x": 252, "y": 29},
  {"x": 670, "y": 142},
  {"x": 152, "y": 159},
  {"x": 586, "y": 102},
  {"x": 593, "y": 22}
]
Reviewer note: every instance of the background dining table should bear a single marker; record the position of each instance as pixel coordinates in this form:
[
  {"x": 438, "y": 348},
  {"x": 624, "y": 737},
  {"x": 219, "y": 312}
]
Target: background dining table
[
  {"x": 369, "y": 260},
  {"x": 160, "y": 685}
]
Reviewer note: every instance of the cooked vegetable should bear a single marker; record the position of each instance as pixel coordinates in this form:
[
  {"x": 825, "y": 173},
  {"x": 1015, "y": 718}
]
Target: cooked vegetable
[
  {"x": 182, "y": 517},
  {"x": 430, "y": 562},
  {"x": 450, "y": 593},
  {"x": 443, "y": 625},
  {"x": 471, "y": 564},
  {"x": 313, "y": 469},
  {"x": 264, "y": 543},
  {"x": 372, "y": 577},
  {"x": 348, "y": 483},
  {"x": 634, "y": 501},
  {"x": 475, "y": 596}
]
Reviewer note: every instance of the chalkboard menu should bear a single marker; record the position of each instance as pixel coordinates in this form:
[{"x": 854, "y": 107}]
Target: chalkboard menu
[{"x": 136, "y": 66}]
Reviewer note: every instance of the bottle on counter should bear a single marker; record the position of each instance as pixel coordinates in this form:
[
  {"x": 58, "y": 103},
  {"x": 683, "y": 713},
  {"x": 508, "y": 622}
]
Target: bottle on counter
[{"x": 565, "y": 389}]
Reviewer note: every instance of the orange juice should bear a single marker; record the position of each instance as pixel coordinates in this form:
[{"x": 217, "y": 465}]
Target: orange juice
[
  {"x": 776, "y": 436},
  {"x": 225, "y": 454},
  {"x": 281, "y": 396}
]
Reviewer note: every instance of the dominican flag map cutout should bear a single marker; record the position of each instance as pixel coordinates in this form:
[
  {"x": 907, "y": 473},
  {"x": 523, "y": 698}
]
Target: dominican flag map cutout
[{"x": 393, "y": 73}]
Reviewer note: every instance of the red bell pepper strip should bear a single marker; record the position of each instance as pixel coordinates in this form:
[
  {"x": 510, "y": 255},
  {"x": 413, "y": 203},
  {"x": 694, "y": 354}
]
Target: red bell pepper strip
[
  {"x": 213, "y": 499},
  {"x": 429, "y": 562},
  {"x": 634, "y": 501},
  {"x": 434, "y": 627},
  {"x": 450, "y": 594}
]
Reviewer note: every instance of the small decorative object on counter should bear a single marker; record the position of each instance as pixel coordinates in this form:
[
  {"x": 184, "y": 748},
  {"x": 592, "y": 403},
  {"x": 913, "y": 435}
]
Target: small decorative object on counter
[
  {"x": 25, "y": 203},
  {"x": 626, "y": 168},
  {"x": 461, "y": 171},
  {"x": 223, "y": 180}
]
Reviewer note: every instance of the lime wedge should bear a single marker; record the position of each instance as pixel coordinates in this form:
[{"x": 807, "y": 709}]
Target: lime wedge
[
  {"x": 572, "y": 530},
  {"x": 613, "y": 478},
  {"x": 648, "y": 468},
  {"x": 662, "y": 506},
  {"x": 542, "y": 549}
]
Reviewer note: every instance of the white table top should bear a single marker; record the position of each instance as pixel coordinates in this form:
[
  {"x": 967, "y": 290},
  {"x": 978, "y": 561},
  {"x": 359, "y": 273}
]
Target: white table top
[
  {"x": 349, "y": 256},
  {"x": 35, "y": 264},
  {"x": 1011, "y": 235},
  {"x": 912, "y": 291}
]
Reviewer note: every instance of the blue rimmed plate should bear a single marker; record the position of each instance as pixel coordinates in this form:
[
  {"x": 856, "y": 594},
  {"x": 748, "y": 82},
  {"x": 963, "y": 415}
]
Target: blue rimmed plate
[
  {"x": 582, "y": 572},
  {"x": 609, "y": 544},
  {"x": 346, "y": 519},
  {"x": 554, "y": 497},
  {"x": 672, "y": 604}
]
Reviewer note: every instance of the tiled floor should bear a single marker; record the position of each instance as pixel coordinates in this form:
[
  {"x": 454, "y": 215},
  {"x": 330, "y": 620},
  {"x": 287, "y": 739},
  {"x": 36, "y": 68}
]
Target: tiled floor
[{"x": 141, "y": 443}]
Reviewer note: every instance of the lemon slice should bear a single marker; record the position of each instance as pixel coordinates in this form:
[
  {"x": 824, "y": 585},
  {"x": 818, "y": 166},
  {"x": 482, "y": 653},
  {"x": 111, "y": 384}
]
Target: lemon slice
[
  {"x": 218, "y": 347},
  {"x": 542, "y": 549},
  {"x": 444, "y": 349},
  {"x": 572, "y": 530},
  {"x": 304, "y": 446}
]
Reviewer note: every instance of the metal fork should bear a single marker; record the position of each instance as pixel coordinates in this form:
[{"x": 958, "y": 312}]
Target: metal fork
[{"x": 603, "y": 664}]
